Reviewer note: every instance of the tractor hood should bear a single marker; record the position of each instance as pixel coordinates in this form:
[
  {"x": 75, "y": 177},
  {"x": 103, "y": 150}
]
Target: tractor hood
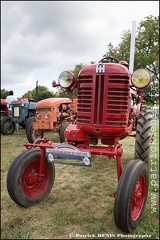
[
  {"x": 108, "y": 68},
  {"x": 52, "y": 102}
]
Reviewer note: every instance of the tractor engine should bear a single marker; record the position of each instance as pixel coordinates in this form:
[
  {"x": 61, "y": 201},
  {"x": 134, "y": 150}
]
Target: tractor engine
[
  {"x": 103, "y": 103},
  {"x": 104, "y": 110}
]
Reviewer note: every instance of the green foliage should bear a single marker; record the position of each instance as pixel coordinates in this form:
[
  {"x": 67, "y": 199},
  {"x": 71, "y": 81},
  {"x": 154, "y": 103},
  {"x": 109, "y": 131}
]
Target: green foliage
[
  {"x": 120, "y": 52},
  {"x": 147, "y": 42},
  {"x": 146, "y": 53},
  {"x": 80, "y": 197},
  {"x": 64, "y": 93},
  {"x": 4, "y": 93},
  {"x": 43, "y": 93},
  {"x": 77, "y": 69}
]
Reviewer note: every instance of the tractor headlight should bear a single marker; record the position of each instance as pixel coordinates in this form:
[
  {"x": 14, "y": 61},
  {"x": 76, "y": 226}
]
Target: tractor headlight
[
  {"x": 46, "y": 115},
  {"x": 66, "y": 79},
  {"x": 141, "y": 78},
  {"x": 38, "y": 115}
]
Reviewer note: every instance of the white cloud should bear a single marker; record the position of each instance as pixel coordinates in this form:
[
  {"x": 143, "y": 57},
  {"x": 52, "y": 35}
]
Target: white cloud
[{"x": 39, "y": 39}]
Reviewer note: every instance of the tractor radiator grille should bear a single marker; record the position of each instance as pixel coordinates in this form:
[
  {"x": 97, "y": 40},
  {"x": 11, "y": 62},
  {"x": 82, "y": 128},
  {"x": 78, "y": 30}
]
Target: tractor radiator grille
[
  {"x": 103, "y": 100},
  {"x": 84, "y": 103},
  {"x": 117, "y": 101}
]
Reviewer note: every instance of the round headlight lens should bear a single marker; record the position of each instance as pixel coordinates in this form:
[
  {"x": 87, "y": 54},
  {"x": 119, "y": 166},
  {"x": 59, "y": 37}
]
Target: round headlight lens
[
  {"x": 46, "y": 115},
  {"x": 38, "y": 115},
  {"x": 66, "y": 79},
  {"x": 141, "y": 78}
]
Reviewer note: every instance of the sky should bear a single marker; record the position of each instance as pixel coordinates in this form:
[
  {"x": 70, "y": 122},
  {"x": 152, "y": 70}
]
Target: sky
[{"x": 40, "y": 39}]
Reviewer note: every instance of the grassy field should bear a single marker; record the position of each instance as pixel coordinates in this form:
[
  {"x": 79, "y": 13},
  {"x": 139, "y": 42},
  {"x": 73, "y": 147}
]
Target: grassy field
[{"x": 80, "y": 205}]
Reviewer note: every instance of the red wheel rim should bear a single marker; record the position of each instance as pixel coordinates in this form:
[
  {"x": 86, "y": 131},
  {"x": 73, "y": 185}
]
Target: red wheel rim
[
  {"x": 33, "y": 185},
  {"x": 138, "y": 197},
  {"x": 38, "y": 132}
]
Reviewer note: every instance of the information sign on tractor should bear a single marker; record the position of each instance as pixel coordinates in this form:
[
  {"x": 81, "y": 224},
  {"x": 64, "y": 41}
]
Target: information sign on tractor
[{"x": 70, "y": 155}]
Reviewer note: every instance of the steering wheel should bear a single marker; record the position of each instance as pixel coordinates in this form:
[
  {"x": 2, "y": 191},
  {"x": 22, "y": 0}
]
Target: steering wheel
[{"x": 109, "y": 60}]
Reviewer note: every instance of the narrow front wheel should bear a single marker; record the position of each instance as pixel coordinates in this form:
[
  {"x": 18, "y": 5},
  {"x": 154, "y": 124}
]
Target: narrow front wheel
[
  {"x": 24, "y": 184},
  {"x": 131, "y": 195},
  {"x": 33, "y": 134}
]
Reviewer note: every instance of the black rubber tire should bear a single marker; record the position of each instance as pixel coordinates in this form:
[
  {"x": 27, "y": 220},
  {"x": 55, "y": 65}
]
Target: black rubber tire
[
  {"x": 7, "y": 126},
  {"x": 131, "y": 195},
  {"x": 30, "y": 119},
  {"x": 2, "y": 115},
  {"x": 31, "y": 133},
  {"x": 61, "y": 133},
  {"x": 143, "y": 135},
  {"x": 22, "y": 172}
]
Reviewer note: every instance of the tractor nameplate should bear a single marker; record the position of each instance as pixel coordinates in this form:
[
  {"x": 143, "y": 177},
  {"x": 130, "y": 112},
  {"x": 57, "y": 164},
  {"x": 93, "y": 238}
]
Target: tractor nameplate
[{"x": 68, "y": 154}]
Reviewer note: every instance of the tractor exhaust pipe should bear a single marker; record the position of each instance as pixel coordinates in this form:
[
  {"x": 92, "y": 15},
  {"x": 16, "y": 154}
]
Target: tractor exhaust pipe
[
  {"x": 132, "y": 47},
  {"x": 37, "y": 91}
]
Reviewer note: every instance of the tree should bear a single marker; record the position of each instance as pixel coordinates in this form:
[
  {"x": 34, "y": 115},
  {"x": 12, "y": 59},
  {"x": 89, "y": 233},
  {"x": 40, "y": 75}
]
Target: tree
[
  {"x": 43, "y": 93},
  {"x": 4, "y": 93},
  {"x": 146, "y": 53}
]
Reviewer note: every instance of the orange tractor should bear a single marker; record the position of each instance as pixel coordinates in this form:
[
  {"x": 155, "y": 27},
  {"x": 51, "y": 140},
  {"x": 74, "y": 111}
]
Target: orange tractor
[{"x": 51, "y": 114}]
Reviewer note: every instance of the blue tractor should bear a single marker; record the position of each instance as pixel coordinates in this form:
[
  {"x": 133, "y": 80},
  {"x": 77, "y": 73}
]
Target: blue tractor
[{"x": 18, "y": 113}]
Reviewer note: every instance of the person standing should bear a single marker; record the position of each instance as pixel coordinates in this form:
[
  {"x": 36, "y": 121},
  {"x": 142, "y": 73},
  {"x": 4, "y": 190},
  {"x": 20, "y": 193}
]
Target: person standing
[{"x": 10, "y": 98}]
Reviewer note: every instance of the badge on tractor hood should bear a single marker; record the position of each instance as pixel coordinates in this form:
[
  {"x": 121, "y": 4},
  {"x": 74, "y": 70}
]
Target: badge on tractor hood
[
  {"x": 100, "y": 68},
  {"x": 68, "y": 154}
]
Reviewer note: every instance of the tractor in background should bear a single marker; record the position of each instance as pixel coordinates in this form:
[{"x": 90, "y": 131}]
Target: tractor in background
[
  {"x": 52, "y": 114},
  {"x": 107, "y": 112},
  {"x": 18, "y": 112},
  {"x": 4, "y": 108}
]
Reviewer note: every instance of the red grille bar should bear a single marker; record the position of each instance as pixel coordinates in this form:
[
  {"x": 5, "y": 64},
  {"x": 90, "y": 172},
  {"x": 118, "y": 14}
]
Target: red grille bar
[
  {"x": 117, "y": 104},
  {"x": 109, "y": 108},
  {"x": 84, "y": 100},
  {"x": 99, "y": 100}
]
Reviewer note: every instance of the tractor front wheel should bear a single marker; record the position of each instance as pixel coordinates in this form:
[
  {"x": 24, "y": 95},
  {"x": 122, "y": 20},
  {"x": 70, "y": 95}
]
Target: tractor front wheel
[
  {"x": 24, "y": 184},
  {"x": 131, "y": 195},
  {"x": 7, "y": 126},
  {"x": 33, "y": 134},
  {"x": 30, "y": 119}
]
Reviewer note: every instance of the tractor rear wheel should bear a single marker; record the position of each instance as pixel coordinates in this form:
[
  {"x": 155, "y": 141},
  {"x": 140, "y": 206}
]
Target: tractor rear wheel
[
  {"x": 24, "y": 184},
  {"x": 2, "y": 115},
  {"x": 7, "y": 126},
  {"x": 131, "y": 195},
  {"x": 61, "y": 133},
  {"x": 143, "y": 135}
]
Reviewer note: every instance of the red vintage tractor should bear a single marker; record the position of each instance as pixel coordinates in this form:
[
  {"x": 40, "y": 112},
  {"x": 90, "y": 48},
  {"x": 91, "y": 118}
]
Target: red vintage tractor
[
  {"x": 4, "y": 111},
  {"x": 109, "y": 109},
  {"x": 4, "y": 108}
]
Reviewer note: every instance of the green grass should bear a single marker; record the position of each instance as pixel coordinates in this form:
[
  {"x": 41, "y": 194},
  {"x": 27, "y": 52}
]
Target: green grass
[{"x": 81, "y": 202}]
